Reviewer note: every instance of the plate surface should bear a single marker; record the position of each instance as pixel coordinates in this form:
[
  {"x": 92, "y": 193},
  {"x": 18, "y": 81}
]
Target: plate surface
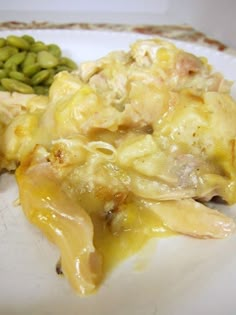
[{"x": 180, "y": 276}]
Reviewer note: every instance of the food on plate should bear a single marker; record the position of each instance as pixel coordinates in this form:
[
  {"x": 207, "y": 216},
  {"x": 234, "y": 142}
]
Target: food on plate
[
  {"x": 128, "y": 147},
  {"x": 28, "y": 66}
]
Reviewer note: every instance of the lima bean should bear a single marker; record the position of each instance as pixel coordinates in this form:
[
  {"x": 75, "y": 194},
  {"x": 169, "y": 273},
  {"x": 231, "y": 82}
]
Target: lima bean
[
  {"x": 38, "y": 46},
  {"x": 28, "y": 38},
  {"x": 28, "y": 65},
  {"x": 2, "y": 42},
  {"x": 12, "y": 68},
  {"x": 2, "y": 89},
  {"x": 40, "y": 77},
  {"x": 49, "y": 80},
  {"x": 6, "y": 52},
  {"x": 54, "y": 50},
  {"x": 18, "y": 42},
  {"x": 47, "y": 60},
  {"x": 41, "y": 90},
  {"x": 31, "y": 69},
  {"x": 18, "y": 76},
  {"x": 15, "y": 60},
  {"x": 62, "y": 68},
  {"x": 12, "y": 85},
  {"x": 3, "y": 73},
  {"x": 64, "y": 61},
  {"x": 29, "y": 59}
]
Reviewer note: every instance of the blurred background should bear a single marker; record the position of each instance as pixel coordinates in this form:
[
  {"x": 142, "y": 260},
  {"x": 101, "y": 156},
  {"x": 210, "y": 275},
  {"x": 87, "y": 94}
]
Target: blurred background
[{"x": 215, "y": 18}]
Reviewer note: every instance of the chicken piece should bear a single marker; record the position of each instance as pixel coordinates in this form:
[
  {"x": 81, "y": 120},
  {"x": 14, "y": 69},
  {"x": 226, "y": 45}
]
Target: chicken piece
[
  {"x": 147, "y": 105},
  {"x": 193, "y": 218},
  {"x": 187, "y": 64},
  {"x": 63, "y": 221},
  {"x": 18, "y": 114},
  {"x": 146, "y": 52},
  {"x": 14, "y": 104}
]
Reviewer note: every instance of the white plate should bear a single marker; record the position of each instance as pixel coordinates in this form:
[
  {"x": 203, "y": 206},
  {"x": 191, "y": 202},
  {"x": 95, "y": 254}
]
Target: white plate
[{"x": 183, "y": 276}]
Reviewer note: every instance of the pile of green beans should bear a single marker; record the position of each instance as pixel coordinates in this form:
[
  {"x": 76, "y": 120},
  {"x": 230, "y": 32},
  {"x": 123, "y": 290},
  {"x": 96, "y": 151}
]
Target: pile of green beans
[{"x": 28, "y": 66}]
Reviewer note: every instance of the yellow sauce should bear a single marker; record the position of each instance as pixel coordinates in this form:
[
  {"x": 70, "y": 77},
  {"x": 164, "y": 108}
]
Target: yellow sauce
[{"x": 127, "y": 234}]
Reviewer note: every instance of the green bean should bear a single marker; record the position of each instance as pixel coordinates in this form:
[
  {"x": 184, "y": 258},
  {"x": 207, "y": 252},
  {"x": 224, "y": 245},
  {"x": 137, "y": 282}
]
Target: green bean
[
  {"x": 40, "y": 77},
  {"x": 18, "y": 42},
  {"x": 38, "y": 46},
  {"x": 14, "y": 85},
  {"x": 15, "y": 60},
  {"x": 2, "y": 42},
  {"x": 28, "y": 38},
  {"x": 68, "y": 62},
  {"x": 3, "y": 73},
  {"x": 18, "y": 76},
  {"x": 31, "y": 69},
  {"x": 47, "y": 60},
  {"x": 54, "y": 50}
]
